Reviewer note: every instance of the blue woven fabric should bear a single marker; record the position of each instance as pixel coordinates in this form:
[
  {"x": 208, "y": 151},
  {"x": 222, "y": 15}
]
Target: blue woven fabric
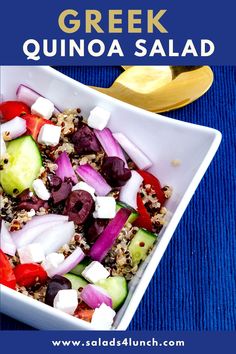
[{"x": 194, "y": 286}]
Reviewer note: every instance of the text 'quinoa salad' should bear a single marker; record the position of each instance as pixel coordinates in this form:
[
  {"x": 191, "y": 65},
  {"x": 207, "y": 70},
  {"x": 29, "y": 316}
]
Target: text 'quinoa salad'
[{"x": 79, "y": 209}]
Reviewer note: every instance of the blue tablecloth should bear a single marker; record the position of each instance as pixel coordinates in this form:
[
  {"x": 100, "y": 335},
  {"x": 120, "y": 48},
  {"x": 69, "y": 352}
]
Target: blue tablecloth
[{"x": 194, "y": 286}]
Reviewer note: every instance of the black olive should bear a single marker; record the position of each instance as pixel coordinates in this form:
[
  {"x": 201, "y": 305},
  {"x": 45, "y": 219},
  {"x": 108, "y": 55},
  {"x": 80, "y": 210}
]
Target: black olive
[
  {"x": 54, "y": 182},
  {"x": 85, "y": 141},
  {"x": 56, "y": 284},
  {"x": 79, "y": 206},
  {"x": 27, "y": 200},
  {"x": 62, "y": 193},
  {"x": 115, "y": 172}
]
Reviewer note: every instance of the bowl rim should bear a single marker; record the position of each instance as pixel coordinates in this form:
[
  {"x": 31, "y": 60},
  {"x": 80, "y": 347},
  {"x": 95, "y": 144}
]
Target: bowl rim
[{"x": 157, "y": 254}]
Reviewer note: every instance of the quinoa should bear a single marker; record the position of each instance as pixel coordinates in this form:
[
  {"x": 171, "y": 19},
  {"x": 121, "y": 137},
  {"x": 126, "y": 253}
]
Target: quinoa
[
  {"x": 176, "y": 162},
  {"x": 153, "y": 205},
  {"x": 159, "y": 219},
  {"x": 78, "y": 240},
  {"x": 14, "y": 260},
  {"x": 149, "y": 197},
  {"x": 68, "y": 121},
  {"x": 64, "y": 147},
  {"x": 16, "y": 218},
  {"x": 118, "y": 260},
  {"x": 42, "y": 211},
  {"x": 37, "y": 292},
  {"x": 167, "y": 191},
  {"x": 94, "y": 160}
]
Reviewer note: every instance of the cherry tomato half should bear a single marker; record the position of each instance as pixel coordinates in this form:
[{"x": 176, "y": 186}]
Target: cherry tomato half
[
  {"x": 144, "y": 219},
  {"x": 148, "y": 178},
  {"x": 12, "y": 109},
  {"x": 29, "y": 274},
  {"x": 7, "y": 276}
]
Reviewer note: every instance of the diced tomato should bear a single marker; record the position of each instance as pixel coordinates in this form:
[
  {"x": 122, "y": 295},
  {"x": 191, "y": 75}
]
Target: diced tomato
[
  {"x": 29, "y": 274},
  {"x": 34, "y": 124},
  {"x": 148, "y": 178},
  {"x": 12, "y": 109},
  {"x": 7, "y": 276},
  {"x": 143, "y": 219},
  {"x": 84, "y": 312}
]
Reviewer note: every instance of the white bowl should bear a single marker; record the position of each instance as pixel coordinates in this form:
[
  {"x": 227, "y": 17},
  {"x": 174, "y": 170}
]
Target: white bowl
[{"x": 162, "y": 139}]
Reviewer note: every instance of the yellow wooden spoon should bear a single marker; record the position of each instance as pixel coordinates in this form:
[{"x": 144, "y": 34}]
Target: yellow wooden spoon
[{"x": 160, "y": 88}]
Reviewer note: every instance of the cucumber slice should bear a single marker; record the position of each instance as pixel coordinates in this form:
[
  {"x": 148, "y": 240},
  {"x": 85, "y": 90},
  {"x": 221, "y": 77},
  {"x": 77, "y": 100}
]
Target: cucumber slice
[
  {"x": 117, "y": 289},
  {"x": 77, "y": 283},
  {"x": 24, "y": 163},
  {"x": 134, "y": 214},
  {"x": 142, "y": 242},
  {"x": 81, "y": 266}
]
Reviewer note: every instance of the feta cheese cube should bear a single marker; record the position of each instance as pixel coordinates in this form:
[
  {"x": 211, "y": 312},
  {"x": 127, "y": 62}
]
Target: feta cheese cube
[
  {"x": 98, "y": 118},
  {"x": 40, "y": 189},
  {"x": 66, "y": 300},
  {"x": 51, "y": 262},
  {"x": 32, "y": 253},
  {"x": 49, "y": 135},
  {"x": 105, "y": 208},
  {"x": 84, "y": 187},
  {"x": 43, "y": 107},
  {"x": 95, "y": 272},
  {"x": 103, "y": 317}
]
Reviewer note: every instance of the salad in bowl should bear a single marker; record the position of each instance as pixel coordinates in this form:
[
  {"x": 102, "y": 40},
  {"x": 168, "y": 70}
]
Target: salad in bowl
[{"x": 79, "y": 209}]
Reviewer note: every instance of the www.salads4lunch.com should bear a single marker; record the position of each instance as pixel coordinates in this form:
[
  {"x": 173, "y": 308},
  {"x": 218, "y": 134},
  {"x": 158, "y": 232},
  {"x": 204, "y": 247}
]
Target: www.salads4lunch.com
[{"x": 115, "y": 22}]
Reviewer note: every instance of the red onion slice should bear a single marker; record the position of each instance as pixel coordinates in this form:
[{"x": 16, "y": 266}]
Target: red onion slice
[
  {"x": 69, "y": 263},
  {"x": 92, "y": 177},
  {"x": 14, "y": 128},
  {"x": 136, "y": 155},
  {"x": 128, "y": 193},
  {"x": 109, "y": 144},
  {"x": 65, "y": 168},
  {"x": 107, "y": 238},
  {"x": 39, "y": 220},
  {"x": 94, "y": 296},
  {"x": 56, "y": 236},
  {"x": 6, "y": 243},
  {"x": 26, "y": 95},
  {"x": 29, "y": 96},
  {"x": 24, "y": 237}
]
